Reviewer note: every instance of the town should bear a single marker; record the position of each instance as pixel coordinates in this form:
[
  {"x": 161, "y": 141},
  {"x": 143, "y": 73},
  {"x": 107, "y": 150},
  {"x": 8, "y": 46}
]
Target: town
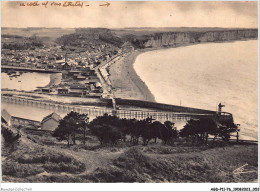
[{"x": 79, "y": 61}]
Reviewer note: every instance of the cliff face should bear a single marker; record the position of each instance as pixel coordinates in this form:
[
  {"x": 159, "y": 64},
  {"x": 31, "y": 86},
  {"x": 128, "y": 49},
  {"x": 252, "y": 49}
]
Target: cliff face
[{"x": 171, "y": 39}]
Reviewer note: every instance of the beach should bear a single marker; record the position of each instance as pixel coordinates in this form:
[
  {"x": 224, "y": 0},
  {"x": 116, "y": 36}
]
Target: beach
[
  {"x": 226, "y": 74},
  {"x": 55, "y": 79},
  {"x": 126, "y": 83}
]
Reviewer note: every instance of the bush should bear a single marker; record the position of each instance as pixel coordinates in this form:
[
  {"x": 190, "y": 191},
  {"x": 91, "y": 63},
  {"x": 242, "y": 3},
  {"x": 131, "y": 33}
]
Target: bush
[
  {"x": 20, "y": 170},
  {"x": 43, "y": 158},
  {"x": 107, "y": 134},
  {"x": 53, "y": 162},
  {"x": 8, "y": 134},
  {"x": 73, "y": 167}
]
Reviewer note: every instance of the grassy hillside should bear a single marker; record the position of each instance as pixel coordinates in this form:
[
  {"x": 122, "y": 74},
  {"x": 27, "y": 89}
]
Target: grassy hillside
[
  {"x": 39, "y": 157},
  {"x": 90, "y": 37}
]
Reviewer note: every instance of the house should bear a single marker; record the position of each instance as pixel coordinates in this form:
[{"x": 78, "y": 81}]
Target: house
[
  {"x": 79, "y": 67},
  {"x": 66, "y": 66},
  {"x": 80, "y": 78},
  {"x": 98, "y": 85},
  {"x": 50, "y": 122},
  {"x": 79, "y": 90},
  {"x": 11, "y": 120},
  {"x": 92, "y": 81},
  {"x": 6, "y": 117},
  {"x": 78, "y": 86},
  {"x": 72, "y": 73},
  {"x": 46, "y": 90},
  {"x": 50, "y": 66},
  {"x": 95, "y": 95},
  {"x": 63, "y": 91},
  {"x": 76, "y": 93}
]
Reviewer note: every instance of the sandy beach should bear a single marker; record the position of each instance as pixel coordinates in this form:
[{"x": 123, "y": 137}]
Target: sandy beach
[
  {"x": 55, "y": 79},
  {"x": 126, "y": 83}
]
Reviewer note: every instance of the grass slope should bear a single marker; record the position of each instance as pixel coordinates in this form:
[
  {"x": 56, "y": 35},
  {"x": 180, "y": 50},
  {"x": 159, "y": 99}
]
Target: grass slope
[{"x": 41, "y": 158}]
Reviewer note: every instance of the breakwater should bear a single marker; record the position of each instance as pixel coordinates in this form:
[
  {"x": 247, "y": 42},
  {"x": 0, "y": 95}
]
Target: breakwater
[
  {"x": 121, "y": 113},
  {"x": 161, "y": 106},
  {"x": 7, "y": 67}
]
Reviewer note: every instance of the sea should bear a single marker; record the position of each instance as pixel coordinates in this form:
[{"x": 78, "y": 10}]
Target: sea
[
  {"x": 204, "y": 75},
  {"x": 28, "y": 81},
  {"x": 25, "y": 81}
]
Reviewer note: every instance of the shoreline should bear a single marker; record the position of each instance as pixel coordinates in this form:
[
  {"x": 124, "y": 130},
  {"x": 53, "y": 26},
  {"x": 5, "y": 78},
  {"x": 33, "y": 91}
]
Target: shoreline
[
  {"x": 55, "y": 79},
  {"x": 126, "y": 84}
]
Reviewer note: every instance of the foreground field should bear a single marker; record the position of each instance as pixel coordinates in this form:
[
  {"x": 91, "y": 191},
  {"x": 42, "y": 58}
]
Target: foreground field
[{"x": 39, "y": 157}]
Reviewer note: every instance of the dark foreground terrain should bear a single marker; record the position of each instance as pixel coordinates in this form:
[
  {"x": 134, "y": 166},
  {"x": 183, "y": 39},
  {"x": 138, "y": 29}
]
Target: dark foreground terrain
[{"x": 36, "y": 156}]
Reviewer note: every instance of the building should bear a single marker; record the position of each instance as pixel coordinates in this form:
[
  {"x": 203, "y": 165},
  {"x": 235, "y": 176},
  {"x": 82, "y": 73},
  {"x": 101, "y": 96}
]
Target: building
[
  {"x": 66, "y": 66},
  {"x": 18, "y": 121},
  {"x": 92, "y": 81},
  {"x": 76, "y": 93},
  {"x": 50, "y": 122},
  {"x": 46, "y": 90},
  {"x": 63, "y": 91},
  {"x": 72, "y": 73},
  {"x": 79, "y": 90},
  {"x": 80, "y": 78}
]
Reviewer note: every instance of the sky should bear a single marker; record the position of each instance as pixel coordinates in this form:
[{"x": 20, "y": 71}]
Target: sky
[{"x": 132, "y": 14}]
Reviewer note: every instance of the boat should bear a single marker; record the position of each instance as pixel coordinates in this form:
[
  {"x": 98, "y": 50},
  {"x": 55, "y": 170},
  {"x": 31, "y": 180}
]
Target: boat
[
  {"x": 10, "y": 72},
  {"x": 15, "y": 75}
]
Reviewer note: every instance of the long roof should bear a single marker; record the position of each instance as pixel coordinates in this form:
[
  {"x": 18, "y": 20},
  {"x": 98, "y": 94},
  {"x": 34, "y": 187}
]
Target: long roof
[
  {"x": 6, "y": 115},
  {"x": 53, "y": 115}
]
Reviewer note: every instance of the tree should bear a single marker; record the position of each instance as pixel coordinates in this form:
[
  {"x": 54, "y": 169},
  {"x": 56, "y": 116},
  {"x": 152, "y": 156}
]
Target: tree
[
  {"x": 107, "y": 128},
  {"x": 154, "y": 129},
  {"x": 199, "y": 129},
  {"x": 83, "y": 121},
  {"x": 69, "y": 126},
  {"x": 225, "y": 128},
  {"x": 64, "y": 131},
  {"x": 168, "y": 131},
  {"x": 190, "y": 129},
  {"x": 106, "y": 133},
  {"x": 135, "y": 131},
  {"x": 206, "y": 126},
  {"x": 145, "y": 131}
]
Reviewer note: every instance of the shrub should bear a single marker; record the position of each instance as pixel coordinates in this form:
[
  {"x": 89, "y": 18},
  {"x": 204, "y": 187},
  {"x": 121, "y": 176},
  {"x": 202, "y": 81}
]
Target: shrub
[
  {"x": 72, "y": 167},
  {"x": 20, "y": 170},
  {"x": 43, "y": 158},
  {"x": 8, "y": 134},
  {"x": 107, "y": 134}
]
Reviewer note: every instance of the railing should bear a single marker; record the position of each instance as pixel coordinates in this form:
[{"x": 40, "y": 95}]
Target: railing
[{"x": 128, "y": 114}]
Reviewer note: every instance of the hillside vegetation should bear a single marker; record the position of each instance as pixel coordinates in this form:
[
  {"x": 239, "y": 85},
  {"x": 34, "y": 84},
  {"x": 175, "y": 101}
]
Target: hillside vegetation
[
  {"x": 88, "y": 37},
  {"x": 38, "y": 157}
]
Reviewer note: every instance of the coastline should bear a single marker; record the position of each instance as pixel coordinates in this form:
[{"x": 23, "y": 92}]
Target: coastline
[
  {"x": 248, "y": 129},
  {"x": 55, "y": 79},
  {"x": 127, "y": 84},
  {"x": 125, "y": 81}
]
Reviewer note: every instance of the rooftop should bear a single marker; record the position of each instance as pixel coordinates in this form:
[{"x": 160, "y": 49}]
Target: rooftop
[{"x": 53, "y": 115}]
